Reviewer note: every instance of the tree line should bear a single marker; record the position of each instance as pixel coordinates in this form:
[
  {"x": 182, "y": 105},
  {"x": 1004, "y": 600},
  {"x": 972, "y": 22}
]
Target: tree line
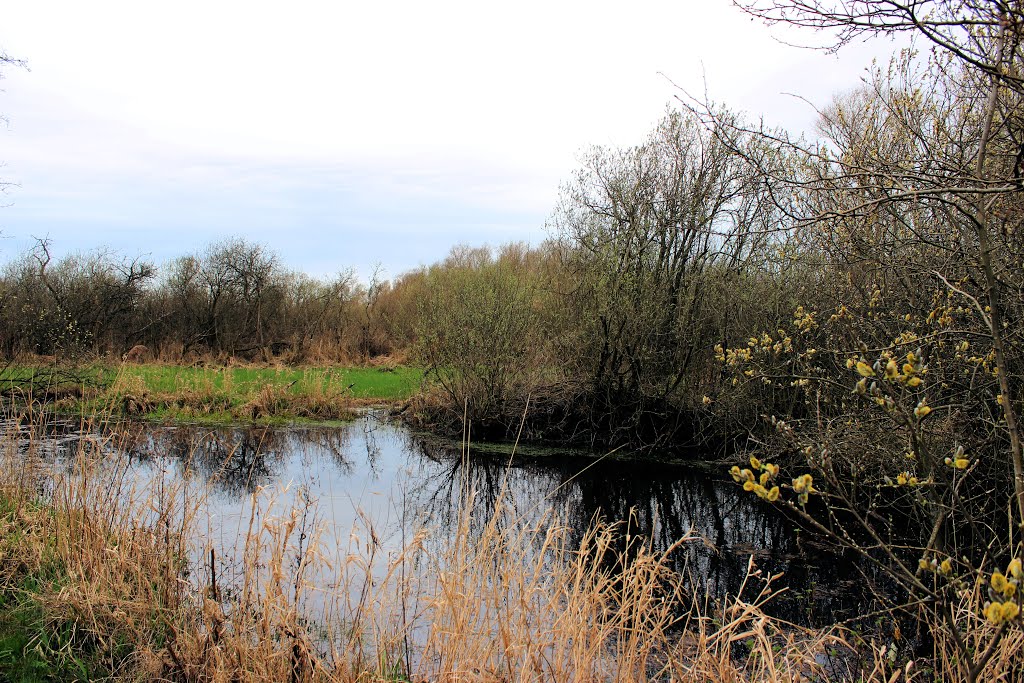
[{"x": 232, "y": 299}]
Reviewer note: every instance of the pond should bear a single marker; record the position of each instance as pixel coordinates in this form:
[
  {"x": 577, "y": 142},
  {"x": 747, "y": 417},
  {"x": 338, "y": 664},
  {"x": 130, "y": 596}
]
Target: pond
[{"x": 376, "y": 479}]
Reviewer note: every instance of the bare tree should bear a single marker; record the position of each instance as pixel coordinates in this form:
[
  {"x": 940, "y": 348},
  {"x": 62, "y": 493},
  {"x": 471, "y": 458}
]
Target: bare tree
[
  {"x": 649, "y": 232},
  {"x": 983, "y": 34},
  {"x": 8, "y": 61}
]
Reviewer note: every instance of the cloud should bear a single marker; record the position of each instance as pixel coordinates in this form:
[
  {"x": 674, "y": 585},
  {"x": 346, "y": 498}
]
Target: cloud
[{"x": 157, "y": 127}]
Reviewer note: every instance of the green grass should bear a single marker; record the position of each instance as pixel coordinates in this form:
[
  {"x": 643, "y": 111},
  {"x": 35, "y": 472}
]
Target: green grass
[
  {"x": 264, "y": 395},
  {"x": 32, "y": 647},
  {"x": 20, "y": 660},
  {"x": 363, "y": 383}
]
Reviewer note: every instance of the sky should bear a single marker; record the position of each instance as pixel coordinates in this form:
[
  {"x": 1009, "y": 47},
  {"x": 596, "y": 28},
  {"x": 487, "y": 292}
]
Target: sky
[{"x": 356, "y": 134}]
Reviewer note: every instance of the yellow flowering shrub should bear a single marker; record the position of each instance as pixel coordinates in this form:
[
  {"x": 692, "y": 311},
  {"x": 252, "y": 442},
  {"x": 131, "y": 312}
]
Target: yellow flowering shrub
[{"x": 894, "y": 415}]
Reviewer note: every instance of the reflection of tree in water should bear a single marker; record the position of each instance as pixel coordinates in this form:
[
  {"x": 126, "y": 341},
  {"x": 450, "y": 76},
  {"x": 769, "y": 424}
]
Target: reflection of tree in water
[
  {"x": 370, "y": 428},
  {"x": 237, "y": 461},
  {"x": 659, "y": 503},
  {"x": 333, "y": 441}
]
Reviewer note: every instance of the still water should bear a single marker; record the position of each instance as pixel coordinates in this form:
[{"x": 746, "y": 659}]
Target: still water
[{"x": 374, "y": 478}]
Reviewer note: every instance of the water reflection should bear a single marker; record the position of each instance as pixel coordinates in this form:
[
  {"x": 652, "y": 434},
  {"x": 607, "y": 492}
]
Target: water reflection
[
  {"x": 661, "y": 503},
  {"x": 378, "y": 475},
  {"x": 237, "y": 462}
]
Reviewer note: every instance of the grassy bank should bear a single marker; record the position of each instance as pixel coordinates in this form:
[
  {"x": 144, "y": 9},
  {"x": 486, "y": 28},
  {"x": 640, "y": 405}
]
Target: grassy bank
[
  {"x": 218, "y": 394},
  {"x": 102, "y": 579}
]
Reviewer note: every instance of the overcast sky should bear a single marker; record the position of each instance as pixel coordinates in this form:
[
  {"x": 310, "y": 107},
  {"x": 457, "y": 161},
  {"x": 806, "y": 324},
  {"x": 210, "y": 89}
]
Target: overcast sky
[{"x": 346, "y": 134}]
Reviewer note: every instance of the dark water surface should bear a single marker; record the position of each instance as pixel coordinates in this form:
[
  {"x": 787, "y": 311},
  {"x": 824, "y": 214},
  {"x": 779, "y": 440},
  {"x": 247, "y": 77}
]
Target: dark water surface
[{"x": 375, "y": 474}]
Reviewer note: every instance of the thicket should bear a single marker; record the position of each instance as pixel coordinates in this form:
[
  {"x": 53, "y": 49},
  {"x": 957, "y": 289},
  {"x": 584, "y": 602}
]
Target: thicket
[
  {"x": 604, "y": 333},
  {"x": 232, "y": 300},
  {"x": 905, "y": 365}
]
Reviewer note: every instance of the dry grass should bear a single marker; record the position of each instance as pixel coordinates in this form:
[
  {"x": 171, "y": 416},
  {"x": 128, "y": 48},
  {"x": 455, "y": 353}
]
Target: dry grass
[
  {"x": 1006, "y": 663},
  {"x": 119, "y": 565},
  {"x": 103, "y": 570}
]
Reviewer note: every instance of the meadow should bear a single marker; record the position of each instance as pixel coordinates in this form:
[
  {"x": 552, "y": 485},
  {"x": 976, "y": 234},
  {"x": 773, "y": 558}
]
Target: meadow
[{"x": 218, "y": 395}]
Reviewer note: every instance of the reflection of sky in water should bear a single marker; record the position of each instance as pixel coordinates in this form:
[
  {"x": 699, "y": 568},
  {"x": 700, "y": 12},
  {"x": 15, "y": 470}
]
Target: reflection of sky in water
[{"x": 374, "y": 474}]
